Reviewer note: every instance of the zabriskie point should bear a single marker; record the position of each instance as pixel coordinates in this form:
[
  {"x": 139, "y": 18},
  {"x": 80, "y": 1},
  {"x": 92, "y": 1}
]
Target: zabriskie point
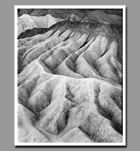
[{"x": 70, "y": 76}]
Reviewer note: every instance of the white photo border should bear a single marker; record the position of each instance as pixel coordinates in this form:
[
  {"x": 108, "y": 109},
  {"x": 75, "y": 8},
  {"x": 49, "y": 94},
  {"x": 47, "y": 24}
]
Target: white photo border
[{"x": 16, "y": 7}]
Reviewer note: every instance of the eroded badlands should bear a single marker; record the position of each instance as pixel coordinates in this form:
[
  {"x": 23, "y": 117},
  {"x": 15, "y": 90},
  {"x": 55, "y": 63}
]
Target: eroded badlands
[{"x": 69, "y": 81}]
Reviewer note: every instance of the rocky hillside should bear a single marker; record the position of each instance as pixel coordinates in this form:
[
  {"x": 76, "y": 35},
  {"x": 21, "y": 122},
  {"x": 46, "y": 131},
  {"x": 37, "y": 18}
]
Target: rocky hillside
[{"x": 70, "y": 76}]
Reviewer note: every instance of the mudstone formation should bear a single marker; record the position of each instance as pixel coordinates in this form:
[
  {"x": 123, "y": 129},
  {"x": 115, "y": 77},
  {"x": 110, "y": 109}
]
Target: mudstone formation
[{"x": 70, "y": 76}]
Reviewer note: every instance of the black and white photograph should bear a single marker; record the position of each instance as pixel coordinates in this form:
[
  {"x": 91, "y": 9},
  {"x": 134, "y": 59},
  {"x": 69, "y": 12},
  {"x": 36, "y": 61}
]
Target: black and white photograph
[{"x": 70, "y": 77}]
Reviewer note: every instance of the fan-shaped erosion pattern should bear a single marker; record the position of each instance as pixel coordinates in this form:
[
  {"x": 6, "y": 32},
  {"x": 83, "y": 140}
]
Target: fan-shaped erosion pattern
[{"x": 69, "y": 81}]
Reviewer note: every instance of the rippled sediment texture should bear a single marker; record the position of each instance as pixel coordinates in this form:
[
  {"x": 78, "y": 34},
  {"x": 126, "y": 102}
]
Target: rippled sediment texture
[{"x": 70, "y": 83}]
